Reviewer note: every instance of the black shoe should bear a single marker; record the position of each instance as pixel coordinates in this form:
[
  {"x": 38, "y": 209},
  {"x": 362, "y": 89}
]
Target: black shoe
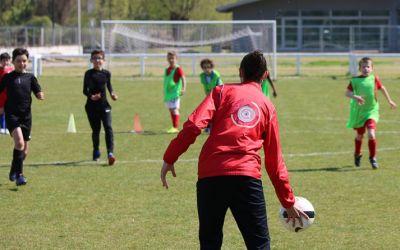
[
  {"x": 374, "y": 163},
  {"x": 357, "y": 160}
]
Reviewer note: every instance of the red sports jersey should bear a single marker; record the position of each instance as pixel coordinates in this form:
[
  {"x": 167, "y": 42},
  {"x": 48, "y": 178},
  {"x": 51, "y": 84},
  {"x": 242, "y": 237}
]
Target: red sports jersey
[
  {"x": 178, "y": 73},
  {"x": 3, "y": 95},
  {"x": 244, "y": 120}
]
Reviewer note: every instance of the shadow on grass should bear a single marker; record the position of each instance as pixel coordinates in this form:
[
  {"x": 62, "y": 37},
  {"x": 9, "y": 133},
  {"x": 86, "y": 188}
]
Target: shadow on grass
[
  {"x": 346, "y": 168},
  {"x": 58, "y": 163}
]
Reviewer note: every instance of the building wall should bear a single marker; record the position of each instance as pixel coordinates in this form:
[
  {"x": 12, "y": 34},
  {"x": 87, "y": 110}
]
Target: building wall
[{"x": 275, "y": 10}]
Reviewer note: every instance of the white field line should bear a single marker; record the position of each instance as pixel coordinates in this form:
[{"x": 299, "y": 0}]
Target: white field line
[
  {"x": 294, "y": 117},
  {"x": 159, "y": 161}
]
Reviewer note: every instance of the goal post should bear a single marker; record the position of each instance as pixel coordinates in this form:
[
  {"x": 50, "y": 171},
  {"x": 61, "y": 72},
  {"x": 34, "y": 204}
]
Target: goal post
[{"x": 195, "y": 38}]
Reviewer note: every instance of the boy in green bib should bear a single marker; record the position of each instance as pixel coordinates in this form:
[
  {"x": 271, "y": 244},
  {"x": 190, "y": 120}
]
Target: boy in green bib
[
  {"x": 364, "y": 108},
  {"x": 174, "y": 87},
  {"x": 209, "y": 78}
]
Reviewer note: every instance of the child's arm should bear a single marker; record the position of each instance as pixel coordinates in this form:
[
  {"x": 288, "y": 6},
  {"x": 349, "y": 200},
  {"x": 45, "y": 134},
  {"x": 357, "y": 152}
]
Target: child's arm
[
  {"x": 36, "y": 88},
  {"x": 183, "y": 85},
  {"x": 387, "y": 96},
  {"x": 350, "y": 94},
  {"x": 114, "y": 96}
]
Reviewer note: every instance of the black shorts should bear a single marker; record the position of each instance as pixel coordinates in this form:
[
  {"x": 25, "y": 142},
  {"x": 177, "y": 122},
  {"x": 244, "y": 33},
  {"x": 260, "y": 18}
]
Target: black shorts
[{"x": 24, "y": 122}]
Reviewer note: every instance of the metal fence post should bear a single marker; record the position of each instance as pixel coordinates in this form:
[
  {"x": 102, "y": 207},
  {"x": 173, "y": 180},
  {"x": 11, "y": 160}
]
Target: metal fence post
[
  {"x": 142, "y": 66},
  {"x": 298, "y": 65}
]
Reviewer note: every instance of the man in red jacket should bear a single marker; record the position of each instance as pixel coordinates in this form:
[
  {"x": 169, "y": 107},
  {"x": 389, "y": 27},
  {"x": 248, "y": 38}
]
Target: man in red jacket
[{"x": 229, "y": 167}]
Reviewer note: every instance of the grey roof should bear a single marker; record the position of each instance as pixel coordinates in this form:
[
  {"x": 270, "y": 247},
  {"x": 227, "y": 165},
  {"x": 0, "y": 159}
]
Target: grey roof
[{"x": 231, "y": 6}]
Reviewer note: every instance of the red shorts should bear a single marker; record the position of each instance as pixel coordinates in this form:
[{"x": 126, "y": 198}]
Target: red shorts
[
  {"x": 369, "y": 124},
  {"x": 3, "y": 98}
]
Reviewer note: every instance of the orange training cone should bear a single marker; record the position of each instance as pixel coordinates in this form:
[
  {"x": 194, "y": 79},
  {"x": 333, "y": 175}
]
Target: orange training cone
[{"x": 137, "y": 126}]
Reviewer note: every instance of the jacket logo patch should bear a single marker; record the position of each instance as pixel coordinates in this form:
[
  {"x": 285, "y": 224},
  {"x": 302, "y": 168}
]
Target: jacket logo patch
[{"x": 246, "y": 115}]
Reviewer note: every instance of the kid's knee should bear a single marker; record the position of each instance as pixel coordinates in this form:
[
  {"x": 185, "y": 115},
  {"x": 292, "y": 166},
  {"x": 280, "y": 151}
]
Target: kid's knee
[
  {"x": 20, "y": 145},
  {"x": 359, "y": 137}
]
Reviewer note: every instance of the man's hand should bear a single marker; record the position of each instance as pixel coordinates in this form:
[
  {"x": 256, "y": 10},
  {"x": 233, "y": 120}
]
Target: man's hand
[{"x": 164, "y": 170}]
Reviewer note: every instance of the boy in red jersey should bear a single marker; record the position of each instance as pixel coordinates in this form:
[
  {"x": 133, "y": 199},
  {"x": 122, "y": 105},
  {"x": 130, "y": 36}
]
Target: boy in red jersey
[
  {"x": 364, "y": 109},
  {"x": 229, "y": 167},
  {"x": 5, "y": 68},
  {"x": 19, "y": 85},
  {"x": 174, "y": 87}
]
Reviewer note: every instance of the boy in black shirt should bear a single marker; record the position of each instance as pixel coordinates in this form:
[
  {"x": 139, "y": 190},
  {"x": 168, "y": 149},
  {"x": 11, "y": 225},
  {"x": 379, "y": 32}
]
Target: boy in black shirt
[
  {"x": 19, "y": 85},
  {"x": 97, "y": 107}
]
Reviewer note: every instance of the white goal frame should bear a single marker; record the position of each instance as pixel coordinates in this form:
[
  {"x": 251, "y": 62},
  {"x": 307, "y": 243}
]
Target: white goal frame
[{"x": 272, "y": 55}]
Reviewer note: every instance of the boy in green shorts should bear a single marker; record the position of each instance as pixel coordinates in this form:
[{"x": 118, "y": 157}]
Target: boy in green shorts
[
  {"x": 174, "y": 87},
  {"x": 364, "y": 108}
]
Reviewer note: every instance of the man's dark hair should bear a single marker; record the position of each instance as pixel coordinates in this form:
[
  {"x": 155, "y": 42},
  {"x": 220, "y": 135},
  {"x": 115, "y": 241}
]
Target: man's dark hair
[
  {"x": 19, "y": 52},
  {"x": 97, "y": 52},
  {"x": 5, "y": 56},
  {"x": 253, "y": 66}
]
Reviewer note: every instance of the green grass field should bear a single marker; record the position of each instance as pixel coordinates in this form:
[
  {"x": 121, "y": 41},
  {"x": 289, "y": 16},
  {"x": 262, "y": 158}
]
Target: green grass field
[{"x": 71, "y": 202}]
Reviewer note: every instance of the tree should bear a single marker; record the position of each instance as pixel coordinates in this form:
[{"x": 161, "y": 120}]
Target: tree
[{"x": 179, "y": 10}]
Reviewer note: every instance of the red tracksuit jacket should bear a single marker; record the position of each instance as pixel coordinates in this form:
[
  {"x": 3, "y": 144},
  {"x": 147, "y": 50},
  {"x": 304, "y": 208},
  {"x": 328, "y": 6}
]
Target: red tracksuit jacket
[{"x": 243, "y": 120}]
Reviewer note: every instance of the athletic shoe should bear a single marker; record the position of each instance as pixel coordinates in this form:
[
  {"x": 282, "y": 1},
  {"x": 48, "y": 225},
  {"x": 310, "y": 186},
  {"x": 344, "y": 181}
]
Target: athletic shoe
[
  {"x": 357, "y": 160},
  {"x": 21, "y": 180},
  {"x": 374, "y": 163},
  {"x": 96, "y": 155},
  {"x": 172, "y": 130},
  {"x": 111, "y": 159},
  {"x": 12, "y": 176}
]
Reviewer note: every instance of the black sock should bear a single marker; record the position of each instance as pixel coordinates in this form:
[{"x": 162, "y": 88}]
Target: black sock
[{"x": 17, "y": 163}]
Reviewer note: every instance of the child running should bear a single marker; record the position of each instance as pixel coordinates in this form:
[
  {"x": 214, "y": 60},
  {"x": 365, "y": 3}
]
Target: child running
[
  {"x": 19, "y": 85},
  {"x": 364, "y": 109},
  {"x": 229, "y": 166},
  {"x": 174, "y": 87},
  {"x": 98, "y": 110},
  {"x": 209, "y": 78},
  {"x": 5, "y": 68},
  {"x": 265, "y": 86}
]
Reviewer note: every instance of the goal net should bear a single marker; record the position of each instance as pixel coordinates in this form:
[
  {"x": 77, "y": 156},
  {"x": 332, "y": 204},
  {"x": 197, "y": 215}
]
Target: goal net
[{"x": 193, "y": 39}]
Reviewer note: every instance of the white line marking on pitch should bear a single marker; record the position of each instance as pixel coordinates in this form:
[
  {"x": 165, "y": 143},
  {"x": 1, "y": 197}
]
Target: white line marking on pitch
[{"x": 72, "y": 163}]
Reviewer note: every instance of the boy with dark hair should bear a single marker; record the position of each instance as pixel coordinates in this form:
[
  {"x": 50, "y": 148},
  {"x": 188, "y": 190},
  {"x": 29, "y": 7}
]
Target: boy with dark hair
[
  {"x": 97, "y": 108},
  {"x": 364, "y": 108},
  {"x": 229, "y": 166},
  {"x": 174, "y": 87},
  {"x": 5, "y": 68},
  {"x": 209, "y": 78},
  {"x": 19, "y": 85}
]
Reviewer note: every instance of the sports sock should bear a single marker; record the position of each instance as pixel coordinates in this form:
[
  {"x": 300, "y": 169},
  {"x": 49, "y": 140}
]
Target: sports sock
[
  {"x": 175, "y": 122},
  {"x": 372, "y": 147},
  {"x": 357, "y": 144},
  {"x": 18, "y": 161}
]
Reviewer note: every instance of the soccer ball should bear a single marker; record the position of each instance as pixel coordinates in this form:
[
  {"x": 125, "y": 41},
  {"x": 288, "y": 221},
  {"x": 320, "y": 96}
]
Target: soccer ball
[{"x": 304, "y": 205}]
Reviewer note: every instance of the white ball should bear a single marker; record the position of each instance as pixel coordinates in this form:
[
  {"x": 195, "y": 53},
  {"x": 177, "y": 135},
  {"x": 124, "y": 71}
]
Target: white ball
[{"x": 304, "y": 205}]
